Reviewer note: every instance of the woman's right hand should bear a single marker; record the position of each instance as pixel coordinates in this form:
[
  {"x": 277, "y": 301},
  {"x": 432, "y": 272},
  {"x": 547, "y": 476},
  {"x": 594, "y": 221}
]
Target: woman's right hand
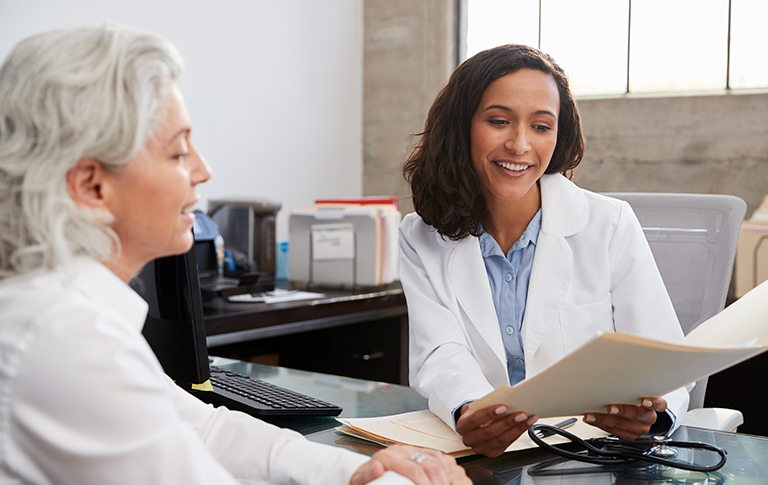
[
  {"x": 431, "y": 468},
  {"x": 490, "y": 431}
]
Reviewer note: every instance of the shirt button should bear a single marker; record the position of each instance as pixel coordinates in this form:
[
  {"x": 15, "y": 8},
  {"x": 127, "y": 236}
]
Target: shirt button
[
  {"x": 509, "y": 330},
  {"x": 519, "y": 361},
  {"x": 508, "y": 277}
]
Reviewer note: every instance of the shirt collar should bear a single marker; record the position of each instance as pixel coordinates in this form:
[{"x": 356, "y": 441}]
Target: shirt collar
[
  {"x": 107, "y": 290},
  {"x": 489, "y": 246}
]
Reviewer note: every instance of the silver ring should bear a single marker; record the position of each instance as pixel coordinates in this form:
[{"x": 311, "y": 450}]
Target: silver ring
[{"x": 417, "y": 458}]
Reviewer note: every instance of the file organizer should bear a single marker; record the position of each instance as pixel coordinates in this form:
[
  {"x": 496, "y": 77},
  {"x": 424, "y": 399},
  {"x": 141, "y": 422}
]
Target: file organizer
[{"x": 344, "y": 246}]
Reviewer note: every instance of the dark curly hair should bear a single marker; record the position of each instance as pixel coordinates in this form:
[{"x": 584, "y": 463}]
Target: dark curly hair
[{"x": 445, "y": 187}]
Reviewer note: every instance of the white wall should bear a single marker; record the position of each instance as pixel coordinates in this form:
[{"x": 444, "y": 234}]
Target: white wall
[{"x": 273, "y": 87}]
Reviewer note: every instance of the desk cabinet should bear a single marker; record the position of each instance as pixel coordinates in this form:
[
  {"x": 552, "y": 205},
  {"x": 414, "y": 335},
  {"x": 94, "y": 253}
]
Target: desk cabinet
[{"x": 356, "y": 334}]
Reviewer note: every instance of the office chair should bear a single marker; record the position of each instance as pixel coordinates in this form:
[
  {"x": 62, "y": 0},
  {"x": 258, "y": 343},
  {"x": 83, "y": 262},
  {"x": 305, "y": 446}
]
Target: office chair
[{"x": 693, "y": 238}]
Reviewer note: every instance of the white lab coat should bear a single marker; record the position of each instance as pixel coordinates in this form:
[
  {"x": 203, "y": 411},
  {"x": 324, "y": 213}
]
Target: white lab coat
[{"x": 593, "y": 271}]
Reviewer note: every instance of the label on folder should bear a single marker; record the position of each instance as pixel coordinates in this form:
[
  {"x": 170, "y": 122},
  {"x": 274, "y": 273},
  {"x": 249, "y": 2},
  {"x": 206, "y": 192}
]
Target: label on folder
[{"x": 333, "y": 241}]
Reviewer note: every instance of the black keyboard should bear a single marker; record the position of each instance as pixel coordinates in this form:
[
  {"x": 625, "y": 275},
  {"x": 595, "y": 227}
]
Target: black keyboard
[{"x": 260, "y": 398}]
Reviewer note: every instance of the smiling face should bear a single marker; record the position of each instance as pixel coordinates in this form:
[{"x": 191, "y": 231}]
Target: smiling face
[
  {"x": 512, "y": 138},
  {"x": 152, "y": 197}
]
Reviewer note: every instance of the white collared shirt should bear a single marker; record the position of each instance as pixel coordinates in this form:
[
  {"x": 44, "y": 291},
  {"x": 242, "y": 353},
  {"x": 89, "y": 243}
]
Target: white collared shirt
[{"x": 84, "y": 400}]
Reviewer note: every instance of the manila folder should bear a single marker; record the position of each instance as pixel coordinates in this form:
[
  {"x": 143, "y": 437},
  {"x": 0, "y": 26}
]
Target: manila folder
[
  {"x": 613, "y": 368},
  {"x": 617, "y": 368}
]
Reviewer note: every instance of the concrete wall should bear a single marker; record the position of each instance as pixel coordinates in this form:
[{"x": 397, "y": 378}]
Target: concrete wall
[
  {"x": 409, "y": 53},
  {"x": 715, "y": 144},
  {"x": 707, "y": 144}
]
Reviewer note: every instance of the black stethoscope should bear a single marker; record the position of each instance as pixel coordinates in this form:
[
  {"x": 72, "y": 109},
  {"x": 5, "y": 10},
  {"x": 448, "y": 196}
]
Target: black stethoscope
[{"x": 612, "y": 451}]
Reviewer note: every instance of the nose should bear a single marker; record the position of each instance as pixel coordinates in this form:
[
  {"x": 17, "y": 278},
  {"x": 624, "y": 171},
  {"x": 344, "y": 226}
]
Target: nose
[
  {"x": 517, "y": 141},
  {"x": 199, "y": 170}
]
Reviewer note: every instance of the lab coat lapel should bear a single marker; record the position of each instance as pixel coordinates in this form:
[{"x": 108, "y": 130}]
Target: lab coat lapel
[
  {"x": 467, "y": 276},
  {"x": 564, "y": 213},
  {"x": 550, "y": 277}
]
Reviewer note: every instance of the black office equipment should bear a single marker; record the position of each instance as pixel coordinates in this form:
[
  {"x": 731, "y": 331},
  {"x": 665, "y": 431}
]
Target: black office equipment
[
  {"x": 239, "y": 276},
  {"x": 175, "y": 330}
]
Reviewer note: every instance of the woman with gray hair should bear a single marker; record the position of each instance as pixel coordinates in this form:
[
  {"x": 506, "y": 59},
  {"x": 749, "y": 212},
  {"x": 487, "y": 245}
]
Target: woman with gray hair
[{"x": 98, "y": 176}]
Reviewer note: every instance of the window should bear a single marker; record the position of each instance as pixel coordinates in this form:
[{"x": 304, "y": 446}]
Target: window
[
  {"x": 639, "y": 46},
  {"x": 749, "y": 42}
]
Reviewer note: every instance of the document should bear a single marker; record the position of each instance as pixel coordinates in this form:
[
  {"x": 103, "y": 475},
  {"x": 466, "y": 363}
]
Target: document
[
  {"x": 423, "y": 428},
  {"x": 616, "y": 368},
  {"x": 613, "y": 368}
]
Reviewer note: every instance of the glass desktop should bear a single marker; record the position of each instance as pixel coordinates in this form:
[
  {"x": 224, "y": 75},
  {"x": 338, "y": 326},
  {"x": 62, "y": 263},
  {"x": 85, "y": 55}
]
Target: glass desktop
[{"x": 747, "y": 454}]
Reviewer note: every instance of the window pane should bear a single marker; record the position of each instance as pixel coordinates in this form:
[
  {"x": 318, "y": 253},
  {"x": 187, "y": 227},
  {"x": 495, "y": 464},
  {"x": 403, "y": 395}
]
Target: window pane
[
  {"x": 678, "y": 45},
  {"x": 588, "y": 39},
  {"x": 749, "y": 43},
  {"x": 491, "y": 23}
]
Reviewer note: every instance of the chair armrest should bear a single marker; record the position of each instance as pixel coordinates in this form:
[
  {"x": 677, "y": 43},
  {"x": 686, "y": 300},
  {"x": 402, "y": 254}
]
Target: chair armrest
[{"x": 719, "y": 419}]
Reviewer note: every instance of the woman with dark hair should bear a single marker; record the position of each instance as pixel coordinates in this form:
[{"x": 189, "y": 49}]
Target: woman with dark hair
[{"x": 508, "y": 266}]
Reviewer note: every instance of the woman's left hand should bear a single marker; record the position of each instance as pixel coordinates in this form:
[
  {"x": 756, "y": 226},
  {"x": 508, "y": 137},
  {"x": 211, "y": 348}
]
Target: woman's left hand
[{"x": 628, "y": 422}]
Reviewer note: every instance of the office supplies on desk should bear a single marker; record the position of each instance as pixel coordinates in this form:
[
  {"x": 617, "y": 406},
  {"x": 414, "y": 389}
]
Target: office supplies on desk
[
  {"x": 175, "y": 330},
  {"x": 344, "y": 245},
  {"x": 260, "y": 398},
  {"x": 248, "y": 227},
  {"x": 220, "y": 275},
  {"x": 616, "y": 368},
  {"x": 549, "y": 430},
  {"x": 423, "y": 428}
]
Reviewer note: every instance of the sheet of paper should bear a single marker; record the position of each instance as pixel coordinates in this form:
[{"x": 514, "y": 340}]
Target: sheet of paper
[
  {"x": 275, "y": 296},
  {"x": 423, "y": 428},
  {"x": 744, "y": 322},
  {"x": 332, "y": 241}
]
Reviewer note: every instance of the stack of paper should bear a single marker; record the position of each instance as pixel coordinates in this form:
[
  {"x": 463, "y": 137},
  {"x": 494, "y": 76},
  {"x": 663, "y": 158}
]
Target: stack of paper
[{"x": 345, "y": 243}]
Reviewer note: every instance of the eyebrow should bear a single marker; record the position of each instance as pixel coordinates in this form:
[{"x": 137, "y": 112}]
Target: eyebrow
[
  {"x": 509, "y": 110},
  {"x": 182, "y": 132}
]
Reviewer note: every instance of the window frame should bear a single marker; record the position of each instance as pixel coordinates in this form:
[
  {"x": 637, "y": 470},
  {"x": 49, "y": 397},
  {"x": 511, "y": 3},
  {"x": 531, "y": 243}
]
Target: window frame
[{"x": 461, "y": 54}]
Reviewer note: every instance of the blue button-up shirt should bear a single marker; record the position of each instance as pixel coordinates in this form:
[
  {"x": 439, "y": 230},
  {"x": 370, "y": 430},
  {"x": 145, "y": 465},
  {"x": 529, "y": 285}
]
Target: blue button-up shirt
[{"x": 509, "y": 276}]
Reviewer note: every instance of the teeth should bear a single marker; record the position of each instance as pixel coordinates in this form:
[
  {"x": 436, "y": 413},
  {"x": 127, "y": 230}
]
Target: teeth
[
  {"x": 190, "y": 209},
  {"x": 513, "y": 166}
]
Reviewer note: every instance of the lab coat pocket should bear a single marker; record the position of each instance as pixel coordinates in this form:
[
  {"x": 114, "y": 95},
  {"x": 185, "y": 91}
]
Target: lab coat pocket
[{"x": 581, "y": 323}]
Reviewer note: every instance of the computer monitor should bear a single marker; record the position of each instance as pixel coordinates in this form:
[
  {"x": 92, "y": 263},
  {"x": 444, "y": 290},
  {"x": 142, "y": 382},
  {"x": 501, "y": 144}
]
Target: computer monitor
[{"x": 175, "y": 328}]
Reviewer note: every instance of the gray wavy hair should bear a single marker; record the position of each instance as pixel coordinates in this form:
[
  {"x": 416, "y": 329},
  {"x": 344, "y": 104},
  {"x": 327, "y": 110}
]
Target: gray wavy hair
[{"x": 65, "y": 95}]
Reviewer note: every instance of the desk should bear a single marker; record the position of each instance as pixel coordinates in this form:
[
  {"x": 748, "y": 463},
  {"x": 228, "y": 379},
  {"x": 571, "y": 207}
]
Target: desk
[
  {"x": 747, "y": 455},
  {"x": 361, "y": 334}
]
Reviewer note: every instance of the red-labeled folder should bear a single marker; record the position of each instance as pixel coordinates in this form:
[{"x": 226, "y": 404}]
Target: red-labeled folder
[{"x": 365, "y": 200}]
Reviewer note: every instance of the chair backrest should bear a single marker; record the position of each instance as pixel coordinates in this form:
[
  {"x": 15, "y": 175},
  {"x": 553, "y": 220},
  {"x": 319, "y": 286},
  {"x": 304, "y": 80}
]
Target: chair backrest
[{"x": 693, "y": 238}]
